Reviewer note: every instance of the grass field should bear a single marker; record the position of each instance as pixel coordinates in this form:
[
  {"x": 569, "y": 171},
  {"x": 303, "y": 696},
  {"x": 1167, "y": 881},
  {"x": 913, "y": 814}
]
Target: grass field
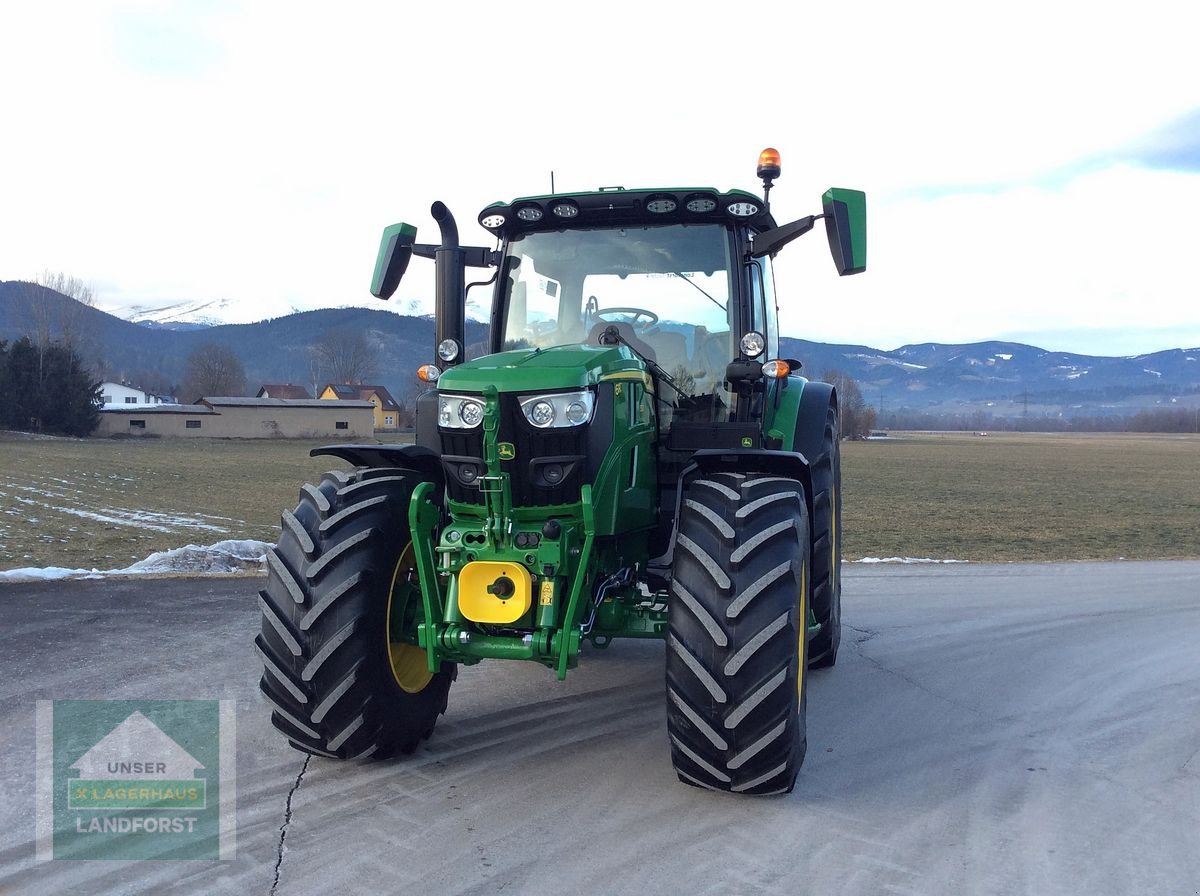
[
  {"x": 105, "y": 504},
  {"x": 1023, "y": 497}
]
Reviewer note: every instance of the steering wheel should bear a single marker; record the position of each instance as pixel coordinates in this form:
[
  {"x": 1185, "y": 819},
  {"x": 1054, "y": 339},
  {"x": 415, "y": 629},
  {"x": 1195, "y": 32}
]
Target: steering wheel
[{"x": 633, "y": 316}]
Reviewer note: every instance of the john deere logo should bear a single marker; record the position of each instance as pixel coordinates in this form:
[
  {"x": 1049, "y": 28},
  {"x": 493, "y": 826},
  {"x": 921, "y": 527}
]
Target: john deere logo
[
  {"x": 147, "y": 779},
  {"x": 747, "y": 442},
  {"x": 508, "y": 451}
]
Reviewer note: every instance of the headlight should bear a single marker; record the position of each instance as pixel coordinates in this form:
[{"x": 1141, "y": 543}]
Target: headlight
[
  {"x": 459, "y": 411},
  {"x": 753, "y": 344},
  {"x": 559, "y": 409}
]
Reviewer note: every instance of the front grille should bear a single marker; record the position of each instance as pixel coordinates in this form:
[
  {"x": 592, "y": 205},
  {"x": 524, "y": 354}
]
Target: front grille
[
  {"x": 527, "y": 470},
  {"x": 533, "y": 444},
  {"x": 461, "y": 443}
]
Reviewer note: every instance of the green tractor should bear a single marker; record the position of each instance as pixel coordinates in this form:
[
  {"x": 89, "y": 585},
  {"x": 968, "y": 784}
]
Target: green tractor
[{"x": 629, "y": 458}]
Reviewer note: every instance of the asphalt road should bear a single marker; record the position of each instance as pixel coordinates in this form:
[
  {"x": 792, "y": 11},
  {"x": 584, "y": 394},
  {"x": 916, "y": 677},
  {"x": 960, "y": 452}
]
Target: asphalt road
[{"x": 988, "y": 729}]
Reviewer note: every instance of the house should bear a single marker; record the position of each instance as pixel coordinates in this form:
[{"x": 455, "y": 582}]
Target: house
[
  {"x": 283, "y": 390},
  {"x": 244, "y": 418},
  {"x": 387, "y": 410},
  {"x": 120, "y": 395}
]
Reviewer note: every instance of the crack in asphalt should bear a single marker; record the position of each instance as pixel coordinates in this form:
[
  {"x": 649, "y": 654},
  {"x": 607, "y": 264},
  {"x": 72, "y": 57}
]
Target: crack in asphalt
[
  {"x": 908, "y": 679},
  {"x": 287, "y": 821},
  {"x": 866, "y": 633}
]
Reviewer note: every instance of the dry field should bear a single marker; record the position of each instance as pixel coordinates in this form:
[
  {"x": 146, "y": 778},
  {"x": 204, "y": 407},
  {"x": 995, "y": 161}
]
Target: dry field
[
  {"x": 105, "y": 504},
  {"x": 1023, "y": 497}
]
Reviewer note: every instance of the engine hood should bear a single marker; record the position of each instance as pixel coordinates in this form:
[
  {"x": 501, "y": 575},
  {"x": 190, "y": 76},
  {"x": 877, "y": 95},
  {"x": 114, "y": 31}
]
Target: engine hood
[{"x": 561, "y": 367}]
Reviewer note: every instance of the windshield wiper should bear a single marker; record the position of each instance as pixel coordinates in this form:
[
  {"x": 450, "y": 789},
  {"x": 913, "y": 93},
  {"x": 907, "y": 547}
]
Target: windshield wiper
[{"x": 699, "y": 289}]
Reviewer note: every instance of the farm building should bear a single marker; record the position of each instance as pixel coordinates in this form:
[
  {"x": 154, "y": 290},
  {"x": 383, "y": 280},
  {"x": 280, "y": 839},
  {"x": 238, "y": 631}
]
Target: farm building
[
  {"x": 283, "y": 390},
  {"x": 244, "y": 418}
]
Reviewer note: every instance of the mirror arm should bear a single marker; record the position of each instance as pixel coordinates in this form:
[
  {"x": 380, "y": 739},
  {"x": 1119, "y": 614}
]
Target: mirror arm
[
  {"x": 773, "y": 240},
  {"x": 472, "y": 256}
]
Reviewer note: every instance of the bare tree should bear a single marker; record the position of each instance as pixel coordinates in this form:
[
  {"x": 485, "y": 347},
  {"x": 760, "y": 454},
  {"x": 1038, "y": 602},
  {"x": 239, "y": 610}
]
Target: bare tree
[
  {"x": 345, "y": 356},
  {"x": 212, "y": 369},
  {"x": 72, "y": 287},
  {"x": 857, "y": 417},
  {"x": 64, "y": 321}
]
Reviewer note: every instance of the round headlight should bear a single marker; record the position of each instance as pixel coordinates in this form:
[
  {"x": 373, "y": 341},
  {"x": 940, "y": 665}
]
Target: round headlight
[
  {"x": 471, "y": 413},
  {"x": 541, "y": 413},
  {"x": 447, "y": 350},
  {"x": 576, "y": 412},
  {"x": 753, "y": 344}
]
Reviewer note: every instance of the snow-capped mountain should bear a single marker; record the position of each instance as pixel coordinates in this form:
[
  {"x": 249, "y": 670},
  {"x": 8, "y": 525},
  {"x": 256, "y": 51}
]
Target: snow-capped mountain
[{"x": 192, "y": 314}]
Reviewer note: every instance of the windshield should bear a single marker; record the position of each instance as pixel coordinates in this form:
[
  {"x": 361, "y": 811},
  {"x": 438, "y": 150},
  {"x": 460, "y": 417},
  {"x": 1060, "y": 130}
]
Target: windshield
[{"x": 666, "y": 288}]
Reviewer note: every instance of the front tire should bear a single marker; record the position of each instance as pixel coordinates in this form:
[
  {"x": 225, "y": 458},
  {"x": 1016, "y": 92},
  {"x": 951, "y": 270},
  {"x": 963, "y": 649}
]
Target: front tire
[
  {"x": 827, "y": 545},
  {"x": 737, "y": 638},
  {"x": 343, "y": 674}
]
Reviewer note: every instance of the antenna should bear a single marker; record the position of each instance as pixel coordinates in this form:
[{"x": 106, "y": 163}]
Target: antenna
[{"x": 551, "y": 180}]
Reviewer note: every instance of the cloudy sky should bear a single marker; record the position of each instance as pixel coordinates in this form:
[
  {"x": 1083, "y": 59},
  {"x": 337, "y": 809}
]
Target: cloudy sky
[{"x": 1032, "y": 170}]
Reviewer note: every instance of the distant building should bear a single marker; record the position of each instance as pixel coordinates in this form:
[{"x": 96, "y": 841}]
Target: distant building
[
  {"x": 122, "y": 395},
  {"x": 387, "y": 410},
  {"x": 244, "y": 418},
  {"x": 283, "y": 390}
]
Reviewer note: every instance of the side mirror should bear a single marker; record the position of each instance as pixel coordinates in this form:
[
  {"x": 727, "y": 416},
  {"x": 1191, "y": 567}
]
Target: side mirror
[
  {"x": 846, "y": 227},
  {"x": 395, "y": 251}
]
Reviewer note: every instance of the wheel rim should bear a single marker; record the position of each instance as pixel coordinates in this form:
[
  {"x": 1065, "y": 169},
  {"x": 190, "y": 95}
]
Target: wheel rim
[
  {"x": 408, "y": 662},
  {"x": 802, "y": 661}
]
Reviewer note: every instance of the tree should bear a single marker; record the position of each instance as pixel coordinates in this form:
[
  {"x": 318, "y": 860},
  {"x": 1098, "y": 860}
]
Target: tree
[
  {"x": 71, "y": 321},
  {"x": 345, "y": 356},
  {"x": 212, "y": 369},
  {"x": 47, "y": 389},
  {"x": 857, "y": 417}
]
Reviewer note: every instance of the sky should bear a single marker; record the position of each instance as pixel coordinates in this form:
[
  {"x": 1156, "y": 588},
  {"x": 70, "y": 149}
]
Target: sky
[{"x": 1032, "y": 169}]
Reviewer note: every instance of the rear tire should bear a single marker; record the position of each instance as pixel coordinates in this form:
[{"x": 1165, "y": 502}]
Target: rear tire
[
  {"x": 736, "y": 644},
  {"x": 827, "y": 546},
  {"x": 342, "y": 670}
]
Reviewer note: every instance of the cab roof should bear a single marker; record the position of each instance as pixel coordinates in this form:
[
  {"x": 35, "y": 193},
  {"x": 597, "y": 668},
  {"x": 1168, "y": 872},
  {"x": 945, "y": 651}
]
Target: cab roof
[{"x": 616, "y": 206}]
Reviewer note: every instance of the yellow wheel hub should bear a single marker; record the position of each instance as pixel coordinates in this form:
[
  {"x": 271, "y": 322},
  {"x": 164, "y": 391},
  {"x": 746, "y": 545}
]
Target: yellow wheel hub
[
  {"x": 409, "y": 663},
  {"x": 409, "y": 666}
]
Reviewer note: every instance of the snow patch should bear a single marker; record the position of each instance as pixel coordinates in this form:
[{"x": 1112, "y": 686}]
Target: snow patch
[
  {"x": 234, "y": 555},
  {"x": 905, "y": 560},
  {"x": 1004, "y": 357},
  {"x": 137, "y": 519}
]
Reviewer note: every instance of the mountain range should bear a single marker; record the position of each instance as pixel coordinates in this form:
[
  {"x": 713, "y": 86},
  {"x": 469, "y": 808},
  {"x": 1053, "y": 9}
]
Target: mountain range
[{"x": 1002, "y": 378}]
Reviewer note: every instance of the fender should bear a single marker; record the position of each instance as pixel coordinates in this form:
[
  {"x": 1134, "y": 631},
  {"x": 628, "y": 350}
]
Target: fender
[
  {"x": 809, "y": 436},
  {"x": 410, "y": 457}
]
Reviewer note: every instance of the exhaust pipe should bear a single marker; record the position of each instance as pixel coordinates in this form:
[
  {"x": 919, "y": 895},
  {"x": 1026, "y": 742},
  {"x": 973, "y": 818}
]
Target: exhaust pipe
[{"x": 450, "y": 289}]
